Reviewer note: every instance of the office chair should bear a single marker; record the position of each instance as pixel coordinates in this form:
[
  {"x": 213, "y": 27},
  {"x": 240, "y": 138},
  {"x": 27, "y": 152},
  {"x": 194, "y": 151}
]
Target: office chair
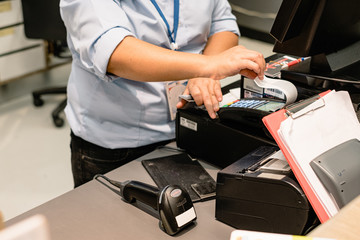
[{"x": 42, "y": 21}]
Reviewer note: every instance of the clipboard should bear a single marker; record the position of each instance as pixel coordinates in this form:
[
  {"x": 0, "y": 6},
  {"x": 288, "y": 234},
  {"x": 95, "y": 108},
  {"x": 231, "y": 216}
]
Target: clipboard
[
  {"x": 272, "y": 122},
  {"x": 307, "y": 129}
]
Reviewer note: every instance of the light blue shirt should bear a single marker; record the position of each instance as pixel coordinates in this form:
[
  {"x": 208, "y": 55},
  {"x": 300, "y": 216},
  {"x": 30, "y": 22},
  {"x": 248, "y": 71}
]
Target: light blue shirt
[{"x": 113, "y": 112}]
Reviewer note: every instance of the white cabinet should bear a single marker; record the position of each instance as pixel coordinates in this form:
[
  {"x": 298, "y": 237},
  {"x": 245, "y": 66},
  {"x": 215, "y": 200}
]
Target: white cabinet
[
  {"x": 10, "y": 13},
  {"x": 18, "y": 55}
]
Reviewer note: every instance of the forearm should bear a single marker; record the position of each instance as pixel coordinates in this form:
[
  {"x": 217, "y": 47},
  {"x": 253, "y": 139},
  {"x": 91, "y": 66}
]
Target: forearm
[
  {"x": 140, "y": 61},
  {"x": 220, "y": 42}
]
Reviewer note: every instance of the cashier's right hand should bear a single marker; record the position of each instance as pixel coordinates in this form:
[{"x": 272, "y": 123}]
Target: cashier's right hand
[{"x": 237, "y": 60}]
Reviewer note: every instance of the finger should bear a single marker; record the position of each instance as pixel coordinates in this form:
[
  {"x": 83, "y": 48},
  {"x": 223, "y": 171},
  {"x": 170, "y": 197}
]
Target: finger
[
  {"x": 257, "y": 58},
  {"x": 209, "y": 106},
  {"x": 207, "y": 98},
  {"x": 217, "y": 90},
  {"x": 260, "y": 61},
  {"x": 215, "y": 103},
  {"x": 248, "y": 73},
  {"x": 197, "y": 96},
  {"x": 212, "y": 93},
  {"x": 251, "y": 66},
  {"x": 262, "y": 67},
  {"x": 202, "y": 91},
  {"x": 181, "y": 103}
]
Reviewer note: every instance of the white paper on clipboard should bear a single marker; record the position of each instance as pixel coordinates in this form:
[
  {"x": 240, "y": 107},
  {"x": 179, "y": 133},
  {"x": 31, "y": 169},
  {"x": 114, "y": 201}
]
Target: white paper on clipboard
[{"x": 317, "y": 130}]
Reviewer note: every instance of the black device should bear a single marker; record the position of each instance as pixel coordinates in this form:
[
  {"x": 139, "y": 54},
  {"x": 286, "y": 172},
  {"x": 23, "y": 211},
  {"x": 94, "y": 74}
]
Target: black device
[
  {"x": 260, "y": 193},
  {"x": 249, "y": 111},
  {"x": 180, "y": 169},
  {"x": 224, "y": 140},
  {"x": 327, "y": 30},
  {"x": 176, "y": 210}
]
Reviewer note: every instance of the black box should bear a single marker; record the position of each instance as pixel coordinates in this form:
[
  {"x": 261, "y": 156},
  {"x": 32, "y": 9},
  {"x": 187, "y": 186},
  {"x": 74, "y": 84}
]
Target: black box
[
  {"x": 252, "y": 197},
  {"x": 218, "y": 143}
]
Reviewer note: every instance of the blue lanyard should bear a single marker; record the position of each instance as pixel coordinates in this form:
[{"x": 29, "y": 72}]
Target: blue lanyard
[{"x": 176, "y": 22}]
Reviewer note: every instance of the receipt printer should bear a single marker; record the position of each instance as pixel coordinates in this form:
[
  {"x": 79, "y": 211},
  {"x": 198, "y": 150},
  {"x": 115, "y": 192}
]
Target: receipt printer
[{"x": 259, "y": 193}]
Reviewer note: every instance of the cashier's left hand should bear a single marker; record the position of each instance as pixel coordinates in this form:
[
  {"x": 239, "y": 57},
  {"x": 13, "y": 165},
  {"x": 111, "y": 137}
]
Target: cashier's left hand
[{"x": 205, "y": 91}]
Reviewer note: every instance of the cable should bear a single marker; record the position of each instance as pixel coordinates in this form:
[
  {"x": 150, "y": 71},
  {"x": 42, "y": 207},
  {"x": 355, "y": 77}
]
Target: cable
[
  {"x": 112, "y": 182},
  {"x": 176, "y": 149},
  {"x": 171, "y": 148}
]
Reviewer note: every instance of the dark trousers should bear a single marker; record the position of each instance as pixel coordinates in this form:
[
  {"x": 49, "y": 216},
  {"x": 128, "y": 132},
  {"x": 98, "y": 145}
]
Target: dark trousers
[{"x": 88, "y": 159}]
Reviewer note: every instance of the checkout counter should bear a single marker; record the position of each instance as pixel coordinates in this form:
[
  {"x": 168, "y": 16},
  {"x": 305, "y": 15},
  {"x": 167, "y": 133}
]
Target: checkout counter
[
  {"x": 93, "y": 212},
  {"x": 278, "y": 204}
]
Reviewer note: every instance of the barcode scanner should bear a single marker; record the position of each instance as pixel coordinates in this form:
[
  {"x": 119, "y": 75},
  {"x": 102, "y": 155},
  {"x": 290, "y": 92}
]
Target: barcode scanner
[{"x": 176, "y": 210}]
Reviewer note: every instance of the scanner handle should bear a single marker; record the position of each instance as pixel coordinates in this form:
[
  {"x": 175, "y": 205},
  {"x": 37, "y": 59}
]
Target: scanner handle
[{"x": 145, "y": 193}]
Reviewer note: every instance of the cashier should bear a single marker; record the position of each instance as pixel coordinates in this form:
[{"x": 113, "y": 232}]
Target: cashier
[{"x": 124, "y": 54}]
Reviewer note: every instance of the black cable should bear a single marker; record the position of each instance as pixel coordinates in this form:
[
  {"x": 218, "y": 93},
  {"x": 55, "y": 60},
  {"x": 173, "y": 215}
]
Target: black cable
[
  {"x": 176, "y": 149},
  {"x": 171, "y": 148},
  {"x": 112, "y": 182}
]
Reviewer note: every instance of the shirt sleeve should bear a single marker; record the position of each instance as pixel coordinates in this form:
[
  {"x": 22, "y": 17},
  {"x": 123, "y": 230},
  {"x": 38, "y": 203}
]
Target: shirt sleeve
[
  {"x": 94, "y": 29},
  {"x": 223, "y": 19}
]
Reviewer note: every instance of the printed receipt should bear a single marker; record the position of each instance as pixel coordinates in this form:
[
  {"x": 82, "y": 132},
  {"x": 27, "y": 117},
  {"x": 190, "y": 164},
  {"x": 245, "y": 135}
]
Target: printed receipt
[{"x": 286, "y": 87}]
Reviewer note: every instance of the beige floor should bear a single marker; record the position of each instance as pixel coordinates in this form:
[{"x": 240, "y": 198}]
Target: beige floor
[{"x": 34, "y": 155}]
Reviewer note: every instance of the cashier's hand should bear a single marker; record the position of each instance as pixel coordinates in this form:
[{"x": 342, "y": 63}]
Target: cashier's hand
[
  {"x": 237, "y": 60},
  {"x": 205, "y": 91}
]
